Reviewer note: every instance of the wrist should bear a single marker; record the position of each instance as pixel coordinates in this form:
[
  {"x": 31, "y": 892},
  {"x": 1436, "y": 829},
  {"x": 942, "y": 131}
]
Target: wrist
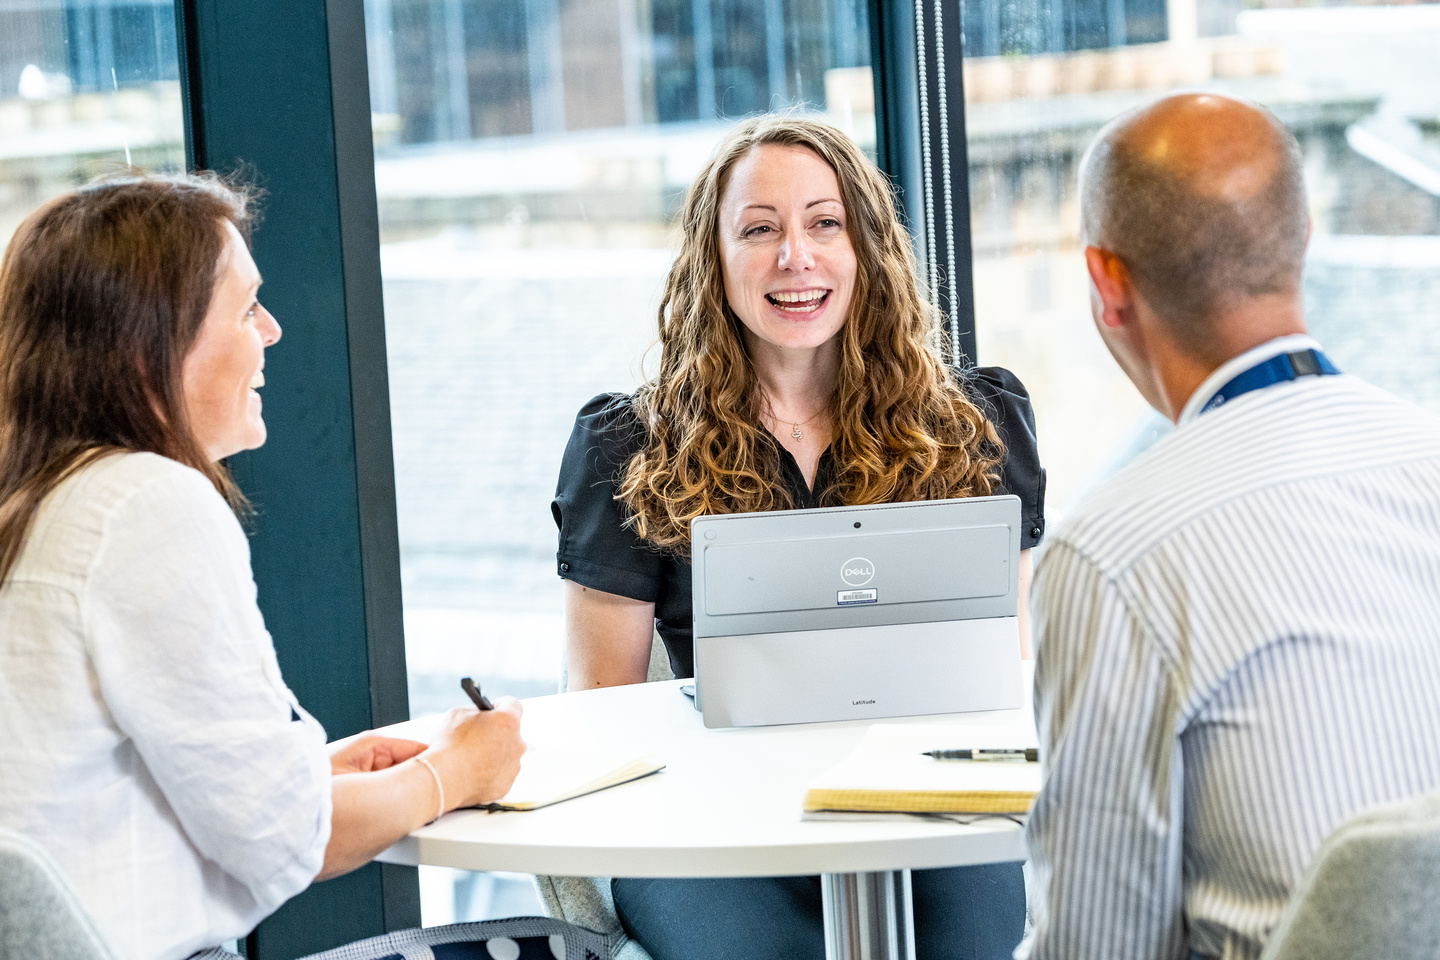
[{"x": 438, "y": 788}]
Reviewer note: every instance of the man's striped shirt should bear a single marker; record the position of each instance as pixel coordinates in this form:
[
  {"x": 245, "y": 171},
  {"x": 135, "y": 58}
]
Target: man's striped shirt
[{"x": 1238, "y": 649}]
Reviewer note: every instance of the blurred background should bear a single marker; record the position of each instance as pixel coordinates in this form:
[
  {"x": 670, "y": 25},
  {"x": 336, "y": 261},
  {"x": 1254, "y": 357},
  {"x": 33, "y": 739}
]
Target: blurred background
[{"x": 531, "y": 156}]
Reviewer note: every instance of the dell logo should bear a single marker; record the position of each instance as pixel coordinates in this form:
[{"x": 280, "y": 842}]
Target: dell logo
[
  {"x": 860, "y": 703},
  {"x": 857, "y": 571}
]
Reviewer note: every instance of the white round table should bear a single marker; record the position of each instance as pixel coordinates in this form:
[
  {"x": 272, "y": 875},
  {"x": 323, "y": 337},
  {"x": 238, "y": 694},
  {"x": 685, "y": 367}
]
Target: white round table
[{"x": 728, "y": 804}]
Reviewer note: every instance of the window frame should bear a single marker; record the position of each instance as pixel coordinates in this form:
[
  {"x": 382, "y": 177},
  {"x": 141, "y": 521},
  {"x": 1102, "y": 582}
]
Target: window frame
[{"x": 278, "y": 93}]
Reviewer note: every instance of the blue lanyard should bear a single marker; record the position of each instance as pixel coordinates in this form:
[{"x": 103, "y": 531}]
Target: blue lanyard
[{"x": 1278, "y": 369}]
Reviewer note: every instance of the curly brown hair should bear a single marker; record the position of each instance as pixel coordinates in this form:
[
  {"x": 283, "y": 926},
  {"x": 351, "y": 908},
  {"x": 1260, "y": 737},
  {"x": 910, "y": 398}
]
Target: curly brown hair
[{"x": 904, "y": 429}]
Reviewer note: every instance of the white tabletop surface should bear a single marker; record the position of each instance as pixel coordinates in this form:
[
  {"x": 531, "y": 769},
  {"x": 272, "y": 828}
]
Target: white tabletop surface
[{"x": 728, "y": 803}]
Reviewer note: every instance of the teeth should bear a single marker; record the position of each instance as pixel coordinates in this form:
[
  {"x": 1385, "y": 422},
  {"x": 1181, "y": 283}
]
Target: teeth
[
  {"x": 258, "y": 380},
  {"x": 804, "y": 297}
]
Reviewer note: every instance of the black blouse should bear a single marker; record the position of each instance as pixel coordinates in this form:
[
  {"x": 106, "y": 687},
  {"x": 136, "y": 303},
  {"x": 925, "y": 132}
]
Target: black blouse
[{"x": 598, "y": 552}]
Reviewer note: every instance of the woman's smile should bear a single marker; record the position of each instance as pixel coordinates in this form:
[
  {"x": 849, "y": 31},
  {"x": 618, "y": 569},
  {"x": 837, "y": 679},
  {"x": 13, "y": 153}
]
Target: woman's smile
[{"x": 799, "y": 303}]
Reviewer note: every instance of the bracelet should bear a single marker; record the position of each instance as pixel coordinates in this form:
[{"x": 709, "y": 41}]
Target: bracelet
[{"x": 440, "y": 812}]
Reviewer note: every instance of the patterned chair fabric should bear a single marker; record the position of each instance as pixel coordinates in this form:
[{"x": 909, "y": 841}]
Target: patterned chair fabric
[
  {"x": 41, "y": 919},
  {"x": 518, "y": 938}
]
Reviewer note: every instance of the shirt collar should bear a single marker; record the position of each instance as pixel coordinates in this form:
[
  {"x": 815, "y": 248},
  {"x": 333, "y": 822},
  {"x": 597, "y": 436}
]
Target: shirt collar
[{"x": 1235, "y": 366}]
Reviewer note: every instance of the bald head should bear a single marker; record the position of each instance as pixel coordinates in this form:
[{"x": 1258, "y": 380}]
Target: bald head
[{"x": 1203, "y": 199}]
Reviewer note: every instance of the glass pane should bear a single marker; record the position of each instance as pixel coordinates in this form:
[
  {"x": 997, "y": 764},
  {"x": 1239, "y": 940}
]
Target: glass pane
[
  {"x": 85, "y": 88},
  {"x": 531, "y": 156},
  {"x": 1359, "y": 87}
]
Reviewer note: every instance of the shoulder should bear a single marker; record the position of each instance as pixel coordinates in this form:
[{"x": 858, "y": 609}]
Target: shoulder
[
  {"x": 1000, "y": 396},
  {"x": 608, "y": 416},
  {"x": 147, "y": 483},
  {"x": 119, "y": 498},
  {"x": 122, "y": 485},
  {"x": 606, "y": 435},
  {"x": 1281, "y": 437},
  {"x": 154, "y": 510},
  {"x": 1005, "y": 402},
  {"x": 993, "y": 382}
]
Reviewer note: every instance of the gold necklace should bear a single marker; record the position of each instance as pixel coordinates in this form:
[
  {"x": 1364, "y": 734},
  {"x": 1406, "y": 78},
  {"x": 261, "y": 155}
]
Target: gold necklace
[{"x": 795, "y": 430}]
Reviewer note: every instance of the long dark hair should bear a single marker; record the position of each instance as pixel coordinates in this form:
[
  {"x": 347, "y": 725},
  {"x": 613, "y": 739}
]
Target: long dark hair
[{"x": 102, "y": 294}]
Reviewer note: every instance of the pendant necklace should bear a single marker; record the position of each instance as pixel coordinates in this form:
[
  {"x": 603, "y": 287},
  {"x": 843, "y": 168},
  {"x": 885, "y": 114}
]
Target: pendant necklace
[{"x": 795, "y": 430}]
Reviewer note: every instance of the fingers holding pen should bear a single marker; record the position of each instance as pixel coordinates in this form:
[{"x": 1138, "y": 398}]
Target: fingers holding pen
[{"x": 477, "y": 752}]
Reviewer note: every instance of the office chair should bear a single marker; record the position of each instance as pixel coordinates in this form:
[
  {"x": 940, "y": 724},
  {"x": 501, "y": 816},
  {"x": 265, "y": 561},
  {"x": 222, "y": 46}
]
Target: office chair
[
  {"x": 518, "y": 938},
  {"x": 1370, "y": 890},
  {"x": 40, "y": 918}
]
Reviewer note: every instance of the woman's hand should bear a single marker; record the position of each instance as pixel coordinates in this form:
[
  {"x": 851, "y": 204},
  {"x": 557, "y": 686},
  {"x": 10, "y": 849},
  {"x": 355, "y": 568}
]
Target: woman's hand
[
  {"x": 477, "y": 753},
  {"x": 368, "y": 752},
  {"x": 381, "y": 791}
]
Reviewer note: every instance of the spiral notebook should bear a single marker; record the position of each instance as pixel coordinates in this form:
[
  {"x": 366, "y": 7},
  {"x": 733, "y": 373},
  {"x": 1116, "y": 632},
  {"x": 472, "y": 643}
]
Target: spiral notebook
[{"x": 888, "y": 773}]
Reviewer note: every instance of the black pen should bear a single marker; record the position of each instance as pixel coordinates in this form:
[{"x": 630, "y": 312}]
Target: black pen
[
  {"x": 1027, "y": 754},
  {"x": 474, "y": 693}
]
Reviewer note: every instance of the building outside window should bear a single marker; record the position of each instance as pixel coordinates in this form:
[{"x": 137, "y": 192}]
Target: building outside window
[
  {"x": 85, "y": 88},
  {"x": 1360, "y": 88}
]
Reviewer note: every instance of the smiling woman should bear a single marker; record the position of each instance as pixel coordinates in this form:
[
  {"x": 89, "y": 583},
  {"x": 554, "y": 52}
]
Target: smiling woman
[
  {"x": 150, "y": 744},
  {"x": 798, "y": 369}
]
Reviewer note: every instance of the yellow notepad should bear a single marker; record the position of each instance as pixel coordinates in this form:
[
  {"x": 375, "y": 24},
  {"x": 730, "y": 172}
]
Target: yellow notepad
[
  {"x": 887, "y": 772},
  {"x": 549, "y": 776}
]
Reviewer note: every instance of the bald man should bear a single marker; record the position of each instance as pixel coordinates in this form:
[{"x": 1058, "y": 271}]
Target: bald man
[{"x": 1238, "y": 641}]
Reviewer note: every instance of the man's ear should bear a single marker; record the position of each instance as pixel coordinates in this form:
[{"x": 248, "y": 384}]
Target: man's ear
[{"x": 1111, "y": 282}]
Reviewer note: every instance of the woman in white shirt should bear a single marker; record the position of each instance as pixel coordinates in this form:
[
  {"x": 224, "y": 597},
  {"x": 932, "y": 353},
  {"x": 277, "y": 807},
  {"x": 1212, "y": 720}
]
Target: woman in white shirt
[{"x": 147, "y": 739}]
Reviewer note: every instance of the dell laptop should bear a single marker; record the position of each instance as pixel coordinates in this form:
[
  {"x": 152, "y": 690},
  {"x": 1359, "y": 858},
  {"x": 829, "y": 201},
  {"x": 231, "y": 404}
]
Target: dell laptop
[{"x": 848, "y": 613}]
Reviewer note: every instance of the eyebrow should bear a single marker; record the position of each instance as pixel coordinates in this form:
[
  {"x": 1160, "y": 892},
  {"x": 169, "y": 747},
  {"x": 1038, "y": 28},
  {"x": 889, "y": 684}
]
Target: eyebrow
[{"x": 812, "y": 203}]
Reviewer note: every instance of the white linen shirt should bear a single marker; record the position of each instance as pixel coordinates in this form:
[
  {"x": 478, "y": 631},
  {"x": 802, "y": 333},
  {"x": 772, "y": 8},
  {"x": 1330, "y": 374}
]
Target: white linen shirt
[
  {"x": 146, "y": 736},
  {"x": 1238, "y": 649}
]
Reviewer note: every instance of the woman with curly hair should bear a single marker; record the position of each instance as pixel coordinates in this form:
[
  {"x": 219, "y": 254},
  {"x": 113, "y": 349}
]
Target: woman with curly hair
[{"x": 799, "y": 368}]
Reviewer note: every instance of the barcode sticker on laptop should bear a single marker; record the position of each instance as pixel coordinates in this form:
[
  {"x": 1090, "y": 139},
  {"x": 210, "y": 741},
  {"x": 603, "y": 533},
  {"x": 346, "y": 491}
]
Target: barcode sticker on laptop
[{"x": 845, "y": 597}]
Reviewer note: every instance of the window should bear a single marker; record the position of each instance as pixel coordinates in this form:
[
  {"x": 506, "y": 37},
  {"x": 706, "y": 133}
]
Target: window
[
  {"x": 531, "y": 156},
  {"x": 1357, "y": 86},
  {"x": 85, "y": 88}
]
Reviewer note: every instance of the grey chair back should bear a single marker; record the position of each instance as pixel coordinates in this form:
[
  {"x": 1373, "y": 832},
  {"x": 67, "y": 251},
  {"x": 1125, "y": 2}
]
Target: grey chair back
[
  {"x": 40, "y": 918},
  {"x": 1370, "y": 891}
]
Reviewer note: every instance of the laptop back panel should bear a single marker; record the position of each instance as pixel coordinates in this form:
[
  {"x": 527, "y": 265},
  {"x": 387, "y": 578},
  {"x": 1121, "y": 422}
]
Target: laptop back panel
[{"x": 848, "y": 612}]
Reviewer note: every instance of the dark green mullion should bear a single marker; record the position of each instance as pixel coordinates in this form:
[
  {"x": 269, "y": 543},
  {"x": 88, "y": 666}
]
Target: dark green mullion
[
  {"x": 897, "y": 108},
  {"x": 894, "y": 44},
  {"x": 277, "y": 90}
]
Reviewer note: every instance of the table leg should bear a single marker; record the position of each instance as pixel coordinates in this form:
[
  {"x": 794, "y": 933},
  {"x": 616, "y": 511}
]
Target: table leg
[{"x": 868, "y": 916}]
